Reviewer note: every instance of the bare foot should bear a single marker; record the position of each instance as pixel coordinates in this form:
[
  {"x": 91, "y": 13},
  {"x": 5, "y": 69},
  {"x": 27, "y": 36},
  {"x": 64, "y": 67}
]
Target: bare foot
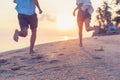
[
  {"x": 80, "y": 45},
  {"x": 90, "y": 29},
  {"x": 32, "y": 52},
  {"x": 16, "y": 35}
]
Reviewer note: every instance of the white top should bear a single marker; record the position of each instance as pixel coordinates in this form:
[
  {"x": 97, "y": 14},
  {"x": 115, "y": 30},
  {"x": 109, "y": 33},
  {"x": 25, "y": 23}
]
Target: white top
[
  {"x": 79, "y": 1},
  {"x": 86, "y": 5}
]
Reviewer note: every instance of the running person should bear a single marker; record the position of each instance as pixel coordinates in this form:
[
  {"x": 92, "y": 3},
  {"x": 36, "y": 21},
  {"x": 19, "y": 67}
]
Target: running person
[
  {"x": 85, "y": 10},
  {"x": 27, "y": 18}
]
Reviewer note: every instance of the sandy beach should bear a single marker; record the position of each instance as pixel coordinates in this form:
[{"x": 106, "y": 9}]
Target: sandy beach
[{"x": 98, "y": 59}]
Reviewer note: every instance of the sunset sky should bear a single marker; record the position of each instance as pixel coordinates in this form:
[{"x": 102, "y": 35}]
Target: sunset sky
[{"x": 56, "y": 21}]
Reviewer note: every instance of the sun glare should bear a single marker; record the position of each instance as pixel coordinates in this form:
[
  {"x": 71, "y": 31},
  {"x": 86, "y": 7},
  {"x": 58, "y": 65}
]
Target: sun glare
[
  {"x": 65, "y": 38},
  {"x": 65, "y": 21}
]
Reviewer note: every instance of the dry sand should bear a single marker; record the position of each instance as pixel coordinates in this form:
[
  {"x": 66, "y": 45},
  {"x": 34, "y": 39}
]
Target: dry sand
[{"x": 99, "y": 59}]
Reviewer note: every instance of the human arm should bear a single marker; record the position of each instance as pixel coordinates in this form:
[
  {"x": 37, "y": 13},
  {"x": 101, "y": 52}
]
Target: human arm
[
  {"x": 14, "y": 1},
  {"x": 78, "y": 7},
  {"x": 38, "y": 6},
  {"x": 75, "y": 11}
]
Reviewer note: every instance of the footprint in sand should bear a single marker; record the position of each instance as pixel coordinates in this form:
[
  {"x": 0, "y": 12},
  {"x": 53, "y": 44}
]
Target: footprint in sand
[
  {"x": 6, "y": 73},
  {"x": 54, "y": 61},
  {"x": 82, "y": 78},
  {"x": 63, "y": 48},
  {"x": 1, "y": 55},
  {"x": 17, "y": 68},
  {"x": 55, "y": 52},
  {"x": 96, "y": 57},
  {"x": 60, "y": 54},
  {"x": 57, "y": 68},
  {"x": 34, "y": 57},
  {"x": 2, "y": 62},
  {"x": 18, "y": 51},
  {"x": 99, "y": 49},
  {"x": 37, "y": 57}
]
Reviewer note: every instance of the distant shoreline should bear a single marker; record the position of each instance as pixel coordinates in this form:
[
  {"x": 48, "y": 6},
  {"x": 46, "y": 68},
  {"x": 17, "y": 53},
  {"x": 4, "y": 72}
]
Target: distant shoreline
[{"x": 49, "y": 42}]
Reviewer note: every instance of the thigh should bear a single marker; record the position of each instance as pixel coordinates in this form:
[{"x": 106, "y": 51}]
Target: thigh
[
  {"x": 81, "y": 16},
  {"x": 87, "y": 16},
  {"x": 87, "y": 22},
  {"x": 87, "y": 19},
  {"x": 23, "y": 21},
  {"x": 80, "y": 25},
  {"x": 80, "y": 20},
  {"x": 33, "y": 21}
]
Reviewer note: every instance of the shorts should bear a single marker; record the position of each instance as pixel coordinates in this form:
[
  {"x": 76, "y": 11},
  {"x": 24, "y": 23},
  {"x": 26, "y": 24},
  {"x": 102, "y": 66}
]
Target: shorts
[
  {"x": 28, "y": 20},
  {"x": 82, "y": 15}
]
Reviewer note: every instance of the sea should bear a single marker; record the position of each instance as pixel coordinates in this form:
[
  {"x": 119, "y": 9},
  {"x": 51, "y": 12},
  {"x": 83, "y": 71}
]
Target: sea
[{"x": 9, "y": 44}]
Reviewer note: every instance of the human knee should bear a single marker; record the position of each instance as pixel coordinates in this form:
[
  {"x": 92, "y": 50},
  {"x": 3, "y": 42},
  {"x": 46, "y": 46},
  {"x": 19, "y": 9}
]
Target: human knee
[
  {"x": 34, "y": 31},
  {"x": 24, "y": 33},
  {"x": 87, "y": 29}
]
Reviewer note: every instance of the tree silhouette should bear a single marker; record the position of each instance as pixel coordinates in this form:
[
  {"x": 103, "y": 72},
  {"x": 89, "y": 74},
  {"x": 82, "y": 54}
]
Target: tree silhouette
[
  {"x": 117, "y": 2},
  {"x": 117, "y": 18},
  {"x": 104, "y": 17}
]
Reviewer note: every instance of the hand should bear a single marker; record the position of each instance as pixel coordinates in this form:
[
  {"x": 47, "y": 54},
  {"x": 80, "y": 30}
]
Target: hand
[
  {"x": 74, "y": 13},
  {"x": 40, "y": 11},
  {"x": 14, "y": 1}
]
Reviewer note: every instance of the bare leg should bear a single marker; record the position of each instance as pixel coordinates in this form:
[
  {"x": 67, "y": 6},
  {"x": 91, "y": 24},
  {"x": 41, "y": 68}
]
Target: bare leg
[
  {"x": 22, "y": 33},
  {"x": 80, "y": 37},
  {"x": 32, "y": 40},
  {"x": 80, "y": 26},
  {"x": 87, "y": 25}
]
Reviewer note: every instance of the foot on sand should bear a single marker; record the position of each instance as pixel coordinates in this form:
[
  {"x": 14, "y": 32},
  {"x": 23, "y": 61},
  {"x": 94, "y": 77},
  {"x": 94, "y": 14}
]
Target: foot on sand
[
  {"x": 16, "y": 35},
  {"x": 80, "y": 45},
  {"x": 32, "y": 52}
]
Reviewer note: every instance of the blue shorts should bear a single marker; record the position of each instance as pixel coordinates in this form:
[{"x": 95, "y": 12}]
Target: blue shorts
[{"x": 28, "y": 20}]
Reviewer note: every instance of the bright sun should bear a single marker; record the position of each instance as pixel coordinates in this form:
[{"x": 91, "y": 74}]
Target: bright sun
[{"x": 65, "y": 21}]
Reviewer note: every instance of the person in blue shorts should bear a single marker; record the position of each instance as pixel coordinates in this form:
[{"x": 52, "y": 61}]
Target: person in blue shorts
[
  {"x": 27, "y": 17},
  {"x": 85, "y": 10}
]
